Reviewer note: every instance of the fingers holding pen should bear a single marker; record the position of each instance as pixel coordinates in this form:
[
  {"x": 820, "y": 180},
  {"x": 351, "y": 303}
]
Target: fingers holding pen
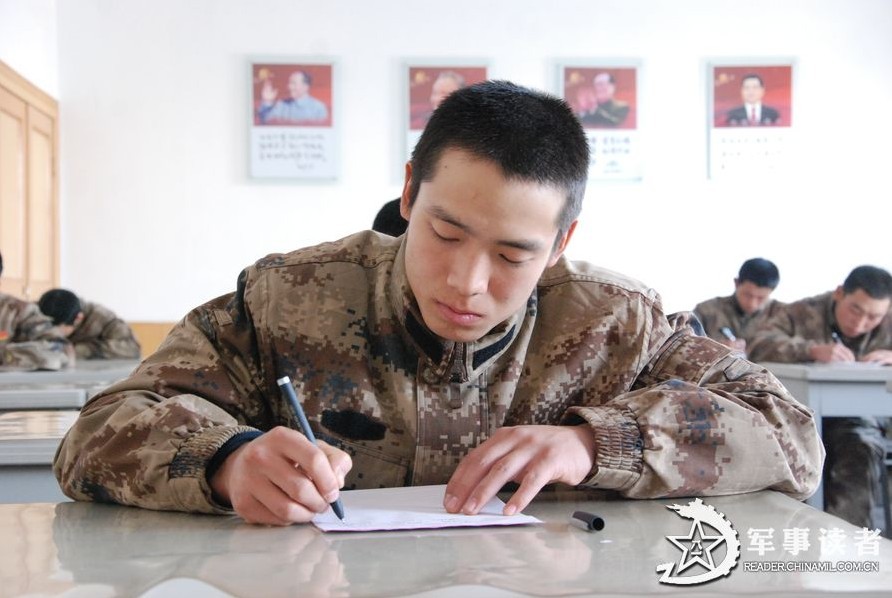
[{"x": 281, "y": 478}]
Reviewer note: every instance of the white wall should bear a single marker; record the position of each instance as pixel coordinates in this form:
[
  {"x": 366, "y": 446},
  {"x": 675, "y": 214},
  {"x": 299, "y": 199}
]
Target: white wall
[
  {"x": 28, "y": 41},
  {"x": 159, "y": 214}
]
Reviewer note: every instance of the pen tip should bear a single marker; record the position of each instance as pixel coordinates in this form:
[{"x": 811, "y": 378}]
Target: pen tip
[{"x": 283, "y": 380}]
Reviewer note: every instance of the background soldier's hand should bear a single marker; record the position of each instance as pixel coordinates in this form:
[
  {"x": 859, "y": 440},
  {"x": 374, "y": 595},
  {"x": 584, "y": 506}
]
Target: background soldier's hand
[
  {"x": 281, "y": 478},
  {"x": 532, "y": 456},
  {"x": 832, "y": 352},
  {"x": 880, "y": 356}
]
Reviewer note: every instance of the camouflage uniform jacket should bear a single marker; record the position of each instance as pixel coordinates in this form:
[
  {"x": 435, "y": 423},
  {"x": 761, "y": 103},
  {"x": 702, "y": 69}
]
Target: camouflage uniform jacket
[
  {"x": 719, "y": 312},
  {"x": 28, "y": 339},
  {"x": 673, "y": 414},
  {"x": 788, "y": 335},
  {"x": 103, "y": 335}
]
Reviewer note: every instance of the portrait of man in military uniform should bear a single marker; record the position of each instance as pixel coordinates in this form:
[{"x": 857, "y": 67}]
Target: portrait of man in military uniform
[{"x": 602, "y": 98}]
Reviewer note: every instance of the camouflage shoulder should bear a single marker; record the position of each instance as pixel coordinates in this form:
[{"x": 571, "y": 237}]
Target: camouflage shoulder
[
  {"x": 584, "y": 272},
  {"x": 366, "y": 248}
]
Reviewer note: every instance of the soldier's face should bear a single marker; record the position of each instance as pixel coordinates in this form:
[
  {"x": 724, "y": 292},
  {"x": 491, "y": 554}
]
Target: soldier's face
[
  {"x": 476, "y": 244},
  {"x": 750, "y": 296},
  {"x": 858, "y": 312}
]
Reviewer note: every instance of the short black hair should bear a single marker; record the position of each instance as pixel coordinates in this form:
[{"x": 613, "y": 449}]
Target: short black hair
[
  {"x": 531, "y": 135},
  {"x": 760, "y": 272},
  {"x": 61, "y": 305},
  {"x": 752, "y": 76},
  {"x": 874, "y": 281},
  {"x": 389, "y": 221},
  {"x": 1, "y": 263}
]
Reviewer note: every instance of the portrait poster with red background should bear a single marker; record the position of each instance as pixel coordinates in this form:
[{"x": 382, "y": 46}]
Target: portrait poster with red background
[
  {"x": 292, "y": 121},
  {"x": 750, "y": 117},
  {"x": 604, "y": 97}
]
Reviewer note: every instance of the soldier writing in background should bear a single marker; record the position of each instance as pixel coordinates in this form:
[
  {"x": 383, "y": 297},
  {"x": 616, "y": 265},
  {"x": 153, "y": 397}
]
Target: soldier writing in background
[
  {"x": 851, "y": 323},
  {"x": 468, "y": 351},
  {"x": 95, "y": 331},
  {"x": 28, "y": 339},
  {"x": 732, "y": 320}
]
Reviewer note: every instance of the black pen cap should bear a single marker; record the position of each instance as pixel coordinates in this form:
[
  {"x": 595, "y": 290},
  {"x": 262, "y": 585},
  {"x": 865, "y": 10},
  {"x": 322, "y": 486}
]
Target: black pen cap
[{"x": 592, "y": 522}]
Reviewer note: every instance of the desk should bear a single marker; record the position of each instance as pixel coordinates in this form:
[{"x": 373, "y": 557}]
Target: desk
[
  {"x": 28, "y": 443},
  {"x": 836, "y": 390},
  {"x": 85, "y": 372},
  {"x": 48, "y": 396},
  {"x": 103, "y": 550}
]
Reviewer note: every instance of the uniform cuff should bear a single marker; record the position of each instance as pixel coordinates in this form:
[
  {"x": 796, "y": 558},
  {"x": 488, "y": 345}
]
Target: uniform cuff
[
  {"x": 188, "y": 470},
  {"x": 618, "y": 446}
]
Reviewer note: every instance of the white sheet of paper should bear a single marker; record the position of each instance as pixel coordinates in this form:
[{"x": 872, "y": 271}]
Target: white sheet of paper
[{"x": 414, "y": 507}]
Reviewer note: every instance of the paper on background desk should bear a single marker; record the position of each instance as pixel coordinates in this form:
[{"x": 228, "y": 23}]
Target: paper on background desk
[{"x": 415, "y": 507}]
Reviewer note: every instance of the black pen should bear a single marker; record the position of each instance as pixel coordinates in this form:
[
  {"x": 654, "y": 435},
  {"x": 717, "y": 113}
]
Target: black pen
[
  {"x": 835, "y": 336},
  {"x": 288, "y": 390}
]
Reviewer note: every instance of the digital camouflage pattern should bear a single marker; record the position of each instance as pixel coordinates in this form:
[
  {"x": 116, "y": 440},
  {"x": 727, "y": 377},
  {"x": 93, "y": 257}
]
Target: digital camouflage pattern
[
  {"x": 103, "y": 335},
  {"x": 719, "y": 312},
  {"x": 855, "y": 446},
  {"x": 673, "y": 414},
  {"x": 787, "y": 336},
  {"x": 28, "y": 339}
]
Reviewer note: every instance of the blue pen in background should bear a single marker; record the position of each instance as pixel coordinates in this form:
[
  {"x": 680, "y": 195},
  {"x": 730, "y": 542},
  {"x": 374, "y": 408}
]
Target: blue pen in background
[{"x": 288, "y": 390}]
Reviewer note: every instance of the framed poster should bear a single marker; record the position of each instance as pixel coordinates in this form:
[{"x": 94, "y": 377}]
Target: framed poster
[
  {"x": 427, "y": 84},
  {"x": 604, "y": 96},
  {"x": 750, "y": 116},
  {"x": 292, "y": 120}
]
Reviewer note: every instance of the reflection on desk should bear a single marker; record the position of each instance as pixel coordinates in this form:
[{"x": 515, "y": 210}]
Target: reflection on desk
[
  {"x": 111, "y": 550},
  {"x": 28, "y": 443}
]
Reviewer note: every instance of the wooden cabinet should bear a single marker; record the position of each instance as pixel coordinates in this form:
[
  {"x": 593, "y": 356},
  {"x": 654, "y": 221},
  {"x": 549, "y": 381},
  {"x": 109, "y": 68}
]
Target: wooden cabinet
[{"x": 29, "y": 189}]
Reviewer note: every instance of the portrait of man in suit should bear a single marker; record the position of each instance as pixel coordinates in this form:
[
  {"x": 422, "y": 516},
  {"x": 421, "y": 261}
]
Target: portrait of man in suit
[{"x": 753, "y": 113}]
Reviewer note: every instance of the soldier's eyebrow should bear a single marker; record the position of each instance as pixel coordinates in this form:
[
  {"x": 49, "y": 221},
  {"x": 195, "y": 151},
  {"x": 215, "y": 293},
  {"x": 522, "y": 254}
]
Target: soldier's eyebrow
[{"x": 522, "y": 244}]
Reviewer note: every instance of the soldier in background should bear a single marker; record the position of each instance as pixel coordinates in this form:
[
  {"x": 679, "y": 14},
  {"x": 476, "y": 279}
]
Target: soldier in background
[
  {"x": 851, "y": 323},
  {"x": 388, "y": 220},
  {"x": 467, "y": 351},
  {"x": 95, "y": 331},
  {"x": 28, "y": 340},
  {"x": 732, "y": 320}
]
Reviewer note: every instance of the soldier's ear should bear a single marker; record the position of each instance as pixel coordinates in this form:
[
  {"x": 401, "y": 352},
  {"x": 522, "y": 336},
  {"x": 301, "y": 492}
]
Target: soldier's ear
[
  {"x": 561, "y": 245},
  {"x": 405, "y": 198}
]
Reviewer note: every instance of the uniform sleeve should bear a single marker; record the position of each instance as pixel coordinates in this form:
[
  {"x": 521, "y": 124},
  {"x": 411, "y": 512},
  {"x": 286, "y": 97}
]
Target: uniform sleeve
[
  {"x": 778, "y": 340},
  {"x": 36, "y": 344},
  {"x": 116, "y": 341},
  {"x": 700, "y": 421},
  {"x": 147, "y": 440}
]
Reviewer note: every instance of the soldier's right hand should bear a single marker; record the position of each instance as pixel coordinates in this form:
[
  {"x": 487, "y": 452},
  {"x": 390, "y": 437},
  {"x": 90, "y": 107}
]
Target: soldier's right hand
[
  {"x": 831, "y": 352},
  {"x": 281, "y": 478}
]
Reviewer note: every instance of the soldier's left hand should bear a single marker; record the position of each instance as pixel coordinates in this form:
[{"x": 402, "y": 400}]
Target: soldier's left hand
[{"x": 532, "y": 456}]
